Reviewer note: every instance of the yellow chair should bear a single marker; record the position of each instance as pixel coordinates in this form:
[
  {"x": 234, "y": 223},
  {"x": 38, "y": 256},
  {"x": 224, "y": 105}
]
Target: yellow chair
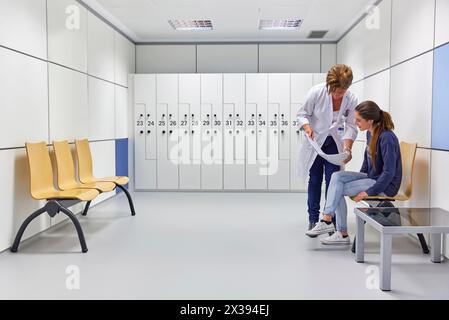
[
  {"x": 42, "y": 188},
  {"x": 66, "y": 173},
  {"x": 85, "y": 171},
  {"x": 408, "y": 154}
]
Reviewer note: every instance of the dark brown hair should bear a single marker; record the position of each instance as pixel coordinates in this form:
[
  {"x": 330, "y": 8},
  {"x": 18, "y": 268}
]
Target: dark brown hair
[
  {"x": 382, "y": 121},
  {"x": 339, "y": 76}
]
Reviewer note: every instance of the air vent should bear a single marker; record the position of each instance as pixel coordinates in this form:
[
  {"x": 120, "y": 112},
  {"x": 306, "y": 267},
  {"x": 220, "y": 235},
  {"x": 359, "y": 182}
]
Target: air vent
[
  {"x": 287, "y": 24},
  {"x": 317, "y": 34},
  {"x": 186, "y": 25}
]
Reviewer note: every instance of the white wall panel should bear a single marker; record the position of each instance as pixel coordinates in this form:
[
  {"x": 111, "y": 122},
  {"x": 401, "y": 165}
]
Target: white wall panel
[
  {"x": 23, "y": 99},
  {"x": 121, "y": 112},
  {"x": 15, "y": 198},
  {"x": 67, "y": 33},
  {"x": 289, "y": 58},
  {"x": 412, "y": 28},
  {"x": 440, "y": 177},
  {"x": 227, "y": 58},
  {"x": 103, "y": 157},
  {"x": 23, "y": 26},
  {"x": 101, "y": 110},
  {"x": 411, "y": 99},
  {"x": 366, "y": 48},
  {"x": 328, "y": 56},
  {"x": 358, "y": 152},
  {"x": 69, "y": 112},
  {"x": 441, "y": 22},
  {"x": 166, "y": 59},
  {"x": 100, "y": 48},
  {"x": 125, "y": 56}
]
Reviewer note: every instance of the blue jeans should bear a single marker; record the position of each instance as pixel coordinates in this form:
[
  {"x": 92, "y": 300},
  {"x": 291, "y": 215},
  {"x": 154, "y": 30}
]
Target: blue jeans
[
  {"x": 344, "y": 183},
  {"x": 319, "y": 167}
]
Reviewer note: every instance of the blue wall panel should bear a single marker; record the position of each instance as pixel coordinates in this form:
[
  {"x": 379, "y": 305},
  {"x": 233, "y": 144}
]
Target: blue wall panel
[
  {"x": 440, "y": 107},
  {"x": 121, "y": 159}
]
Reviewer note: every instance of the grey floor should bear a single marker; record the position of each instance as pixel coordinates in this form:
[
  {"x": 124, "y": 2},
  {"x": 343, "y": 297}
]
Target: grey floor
[{"x": 210, "y": 246}]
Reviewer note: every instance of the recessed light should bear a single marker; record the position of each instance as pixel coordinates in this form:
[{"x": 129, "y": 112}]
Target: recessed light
[
  {"x": 187, "y": 25},
  {"x": 279, "y": 24}
]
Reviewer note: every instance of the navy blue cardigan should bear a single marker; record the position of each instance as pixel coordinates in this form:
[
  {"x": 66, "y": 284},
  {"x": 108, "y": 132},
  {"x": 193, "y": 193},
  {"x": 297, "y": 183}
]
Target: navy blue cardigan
[{"x": 388, "y": 171}]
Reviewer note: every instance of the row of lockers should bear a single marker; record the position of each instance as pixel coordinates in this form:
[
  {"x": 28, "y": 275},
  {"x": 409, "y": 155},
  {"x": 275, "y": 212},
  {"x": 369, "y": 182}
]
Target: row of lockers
[{"x": 218, "y": 131}]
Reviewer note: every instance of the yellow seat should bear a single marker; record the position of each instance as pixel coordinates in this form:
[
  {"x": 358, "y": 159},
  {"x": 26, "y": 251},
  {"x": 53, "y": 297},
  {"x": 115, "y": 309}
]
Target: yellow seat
[
  {"x": 41, "y": 177},
  {"x": 408, "y": 154},
  {"x": 66, "y": 171},
  {"x": 42, "y": 188},
  {"x": 85, "y": 170}
]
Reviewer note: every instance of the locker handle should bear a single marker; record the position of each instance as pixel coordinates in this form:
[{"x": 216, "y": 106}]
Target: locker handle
[
  {"x": 141, "y": 115},
  {"x": 148, "y": 115},
  {"x": 163, "y": 131},
  {"x": 237, "y": 115},
  {"x": 230, "y": 115},
  {"x": 141, "y": 131},
  {"x": 193, "y": 131},
  {"x": 275, "y": 132},
  {"x": 148, "y": 131},
  {"x": 215, "y": 115},
  {"x": 252, "y": 115},
  {"x": 215, "y": 131},
  {"x": 275, "y": 115},
  {"x": 297, "y": 131},
  {"x": 252, "y": 131},
  {"x": 185, "y": 115},
  {"x": 185, "y": 132},
  {"x": 282, "y": 115},
  {"x": 171, "y": 131},
  {"x": 193, "y": 115},
  {"x": 260, "y": 115},
  {"x": 207, "y": 115},
  {"x": 169, "y": 115},
  {"x": 230, "y": 131},
  {"x": 237, "y": 131},
  {"x": 282, "y": 131}
]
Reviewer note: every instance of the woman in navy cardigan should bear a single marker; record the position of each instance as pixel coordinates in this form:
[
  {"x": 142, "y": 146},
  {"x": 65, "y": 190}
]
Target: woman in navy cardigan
[{"x": 381, "y": 172}]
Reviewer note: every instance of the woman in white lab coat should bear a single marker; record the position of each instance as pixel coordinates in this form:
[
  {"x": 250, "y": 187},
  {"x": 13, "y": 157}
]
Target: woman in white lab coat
[{"x": 328, "y": 117}]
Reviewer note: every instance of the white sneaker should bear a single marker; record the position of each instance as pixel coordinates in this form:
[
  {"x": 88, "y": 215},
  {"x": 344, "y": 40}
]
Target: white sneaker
[
  {"x": 336, "y": 239},
  {"x": 320, "y": 228}
]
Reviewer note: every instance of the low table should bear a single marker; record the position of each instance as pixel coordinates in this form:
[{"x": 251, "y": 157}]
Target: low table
[{"x": 391, "y": 221}]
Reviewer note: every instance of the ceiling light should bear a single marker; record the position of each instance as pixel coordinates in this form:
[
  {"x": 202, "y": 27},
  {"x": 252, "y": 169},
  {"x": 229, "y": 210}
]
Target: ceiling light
[
  {"x": 191, "y": 24},
  {"x": 278, "y": 24}
]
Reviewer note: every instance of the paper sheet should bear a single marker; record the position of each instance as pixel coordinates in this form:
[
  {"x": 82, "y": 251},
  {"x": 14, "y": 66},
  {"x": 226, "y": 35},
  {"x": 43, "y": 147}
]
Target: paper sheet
[{"x": 336, "y": 159}]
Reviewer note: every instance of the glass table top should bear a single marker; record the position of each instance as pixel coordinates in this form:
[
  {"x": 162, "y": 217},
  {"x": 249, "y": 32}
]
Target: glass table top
[{"x": 408, "y": 217}]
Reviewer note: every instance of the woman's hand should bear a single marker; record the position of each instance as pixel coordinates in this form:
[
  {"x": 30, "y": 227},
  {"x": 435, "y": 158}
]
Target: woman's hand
[
  {"x": 362, "y": 195},
  {"x": 349, "y": 157},
  {"x": 308, "y": 130}
]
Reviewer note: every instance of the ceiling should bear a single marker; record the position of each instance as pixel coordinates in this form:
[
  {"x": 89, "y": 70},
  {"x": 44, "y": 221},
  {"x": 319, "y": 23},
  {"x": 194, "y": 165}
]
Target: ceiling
[{"x": 233, "y": 20}]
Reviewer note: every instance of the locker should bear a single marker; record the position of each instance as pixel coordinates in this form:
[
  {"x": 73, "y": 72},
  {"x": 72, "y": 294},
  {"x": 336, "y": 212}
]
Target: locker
[
  {"x": 279, "y": 142},
  {"x": 145, "y": 132},
  {"x": 189, "y": 107},
  {"x": 300, "y": 85},
  {"x": 212, "y": 120},
  {"x": 256, "y": 116},
  {"x": 234, "y": 131},
  {"x": 167, "y": 131}
]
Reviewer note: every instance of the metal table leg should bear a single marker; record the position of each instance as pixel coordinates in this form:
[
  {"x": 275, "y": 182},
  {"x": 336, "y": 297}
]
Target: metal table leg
[
  {"x": 360, "y": 241},
  {"x": 435, "y": 242},
  {"x": 385, "y": 262}
]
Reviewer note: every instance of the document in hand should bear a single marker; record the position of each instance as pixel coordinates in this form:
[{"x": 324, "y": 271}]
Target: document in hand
[{"x": 336, "y": 159}]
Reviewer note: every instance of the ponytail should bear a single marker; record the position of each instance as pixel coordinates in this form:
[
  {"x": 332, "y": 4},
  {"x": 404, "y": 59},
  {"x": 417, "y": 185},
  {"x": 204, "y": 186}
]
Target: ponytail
[{"x": 382, "y": 121}]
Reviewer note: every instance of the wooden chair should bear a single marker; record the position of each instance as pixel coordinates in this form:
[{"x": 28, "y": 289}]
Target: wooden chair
[
  {"x": 85, "y": 171},
  {"x": 42, "y": 188},
  {"x": 408, "y": 154},
  {"x": 66, "y": 173}
]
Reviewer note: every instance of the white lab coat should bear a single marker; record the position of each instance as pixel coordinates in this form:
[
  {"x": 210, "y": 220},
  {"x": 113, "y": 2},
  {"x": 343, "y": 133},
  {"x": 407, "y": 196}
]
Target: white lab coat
[{"x": 317, "y": 111}]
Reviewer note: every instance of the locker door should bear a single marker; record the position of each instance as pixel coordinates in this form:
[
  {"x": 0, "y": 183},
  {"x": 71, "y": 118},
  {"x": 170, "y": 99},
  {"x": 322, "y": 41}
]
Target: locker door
[
  {"x": 189, "y": 103},
  {"x": 212, "y": 104},
  {"x": 228, "y": 136},
  {"x": 145, "y": 132},
  {"x": 279, "y": 110},
  {"x": 150, "y": 132},
  {"x": 256, "y": 102},
  {"x": 167, "y": 139},
  {"x": 234, "y": 99},
  {"x": 300, "y": 85}
]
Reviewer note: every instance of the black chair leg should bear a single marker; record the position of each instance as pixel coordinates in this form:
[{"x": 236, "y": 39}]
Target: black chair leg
[
  {"x": 422, "y": 240},
  {"x": 23, "y": 227},
  {"x": 353, "y": 246},
  {"x": 86, "y": 208},
  {"x": 131, "y": 205},
  {"x": 78, "y": 228}
]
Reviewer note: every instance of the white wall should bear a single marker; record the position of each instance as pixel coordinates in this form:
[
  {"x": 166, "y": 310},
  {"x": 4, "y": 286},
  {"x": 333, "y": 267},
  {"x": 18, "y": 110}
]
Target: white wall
[
  {"x": 394, "y": 65},
  {"x": 76, "y": 88},
  {"x": 235, "y": 58}
]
